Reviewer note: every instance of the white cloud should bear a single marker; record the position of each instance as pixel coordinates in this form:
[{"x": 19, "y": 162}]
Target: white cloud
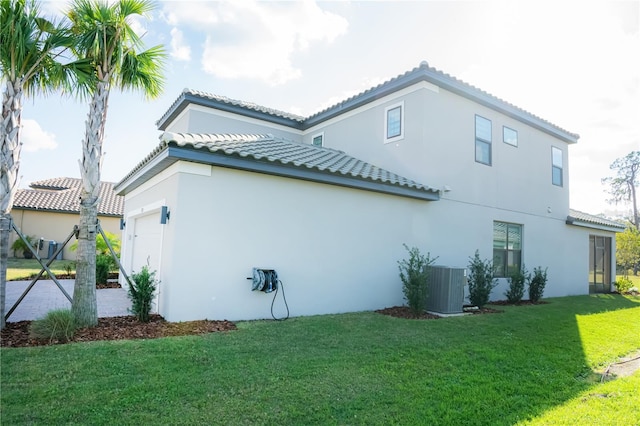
[
  {"x": 179, "y": 48},
  {"x": 34, "y": 138},
  {"x": 256, "y": 40}
]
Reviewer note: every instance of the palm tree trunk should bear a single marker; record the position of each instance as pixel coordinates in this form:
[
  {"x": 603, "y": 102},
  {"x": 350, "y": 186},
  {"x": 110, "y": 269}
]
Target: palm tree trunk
[
  {"x": 10, "y": 124},
  {"x": 84, "y": 304}
]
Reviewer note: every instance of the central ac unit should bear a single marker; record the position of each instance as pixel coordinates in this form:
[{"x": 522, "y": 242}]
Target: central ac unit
[{"x": 446, "y": 289}]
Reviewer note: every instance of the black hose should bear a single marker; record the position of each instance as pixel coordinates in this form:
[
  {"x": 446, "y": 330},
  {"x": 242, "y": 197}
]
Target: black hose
[{"x": 283, "y": 298}]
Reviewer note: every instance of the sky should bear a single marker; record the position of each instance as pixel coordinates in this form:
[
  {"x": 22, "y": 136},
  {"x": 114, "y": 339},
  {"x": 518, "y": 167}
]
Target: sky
[{"x": 575, "y": 64}]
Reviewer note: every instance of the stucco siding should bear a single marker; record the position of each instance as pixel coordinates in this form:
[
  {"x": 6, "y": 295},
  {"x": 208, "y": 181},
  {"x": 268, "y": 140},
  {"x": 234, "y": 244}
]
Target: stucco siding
[
  {"x": 335, "y": 249},
  {"x": 438, "y": 148},
  {"x": 52, "y": 226},
  {"x": 197, "y": 119}
]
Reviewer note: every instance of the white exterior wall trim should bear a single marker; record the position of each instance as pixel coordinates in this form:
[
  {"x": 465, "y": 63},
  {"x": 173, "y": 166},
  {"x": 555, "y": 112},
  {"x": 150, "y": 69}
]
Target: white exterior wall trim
[
  {"x": 130, "y": 218},
  {"x": 173, "y": 169}
]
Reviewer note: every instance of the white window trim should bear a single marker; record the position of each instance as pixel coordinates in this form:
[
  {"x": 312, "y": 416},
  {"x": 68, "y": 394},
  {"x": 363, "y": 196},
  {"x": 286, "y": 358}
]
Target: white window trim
[
  {"x": 386, "y": 122},
  {"x": 488, "y": 142},
  {"x": 321, "y": 134},
  {"x": 513, "y": 130},
  {"x": 554, "y": 166}
]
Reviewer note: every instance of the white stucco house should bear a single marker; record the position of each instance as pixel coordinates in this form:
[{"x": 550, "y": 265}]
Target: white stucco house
[{"x": 329, "y": 200}]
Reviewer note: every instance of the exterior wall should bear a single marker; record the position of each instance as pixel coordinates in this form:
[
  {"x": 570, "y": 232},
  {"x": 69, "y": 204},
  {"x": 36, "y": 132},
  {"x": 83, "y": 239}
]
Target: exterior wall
[
  {"x": 335, "y": 249},
  {"x": 55, "y": 227},
  {"x": 438, "y": 149},
  {"x": 197, "y": 119}
]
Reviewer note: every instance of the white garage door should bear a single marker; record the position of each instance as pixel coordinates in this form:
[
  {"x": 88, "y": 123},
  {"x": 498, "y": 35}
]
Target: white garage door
[{"x": 146, "y": 243}]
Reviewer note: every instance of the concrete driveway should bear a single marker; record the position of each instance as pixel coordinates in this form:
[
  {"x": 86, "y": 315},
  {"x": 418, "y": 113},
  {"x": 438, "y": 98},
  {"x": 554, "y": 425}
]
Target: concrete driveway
[{"x": 46, "y": 296}]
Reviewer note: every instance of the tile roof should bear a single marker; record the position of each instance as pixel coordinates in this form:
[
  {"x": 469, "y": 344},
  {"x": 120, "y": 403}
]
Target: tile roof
[
  {"x": 577, "y": 217},
  {"x": 420, "y": 73},
  {"x": 63, "y": 195},
  {"x": 195, "y": 96},
  {"x": 266, "y": 149}
]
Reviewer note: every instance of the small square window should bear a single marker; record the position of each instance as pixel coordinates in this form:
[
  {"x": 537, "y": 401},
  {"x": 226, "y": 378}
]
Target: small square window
[
  {"x": 510, "y": 136},
  {"x": 394, "y": 122},
  {"x": 318, "y": 140}
]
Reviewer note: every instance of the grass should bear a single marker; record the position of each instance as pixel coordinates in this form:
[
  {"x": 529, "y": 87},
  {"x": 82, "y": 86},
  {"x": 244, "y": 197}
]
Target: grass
[
  {"x": 530, "y": 365},
  {"x": 24, "y": 269}
]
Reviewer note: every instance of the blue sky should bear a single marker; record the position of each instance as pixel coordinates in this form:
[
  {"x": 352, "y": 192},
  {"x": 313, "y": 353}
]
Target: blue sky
[{"x": 575, "y": 64}]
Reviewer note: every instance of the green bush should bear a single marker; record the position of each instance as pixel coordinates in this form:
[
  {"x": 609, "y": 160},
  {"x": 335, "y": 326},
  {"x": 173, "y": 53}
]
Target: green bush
[
  {"x": 480, "y": 280},
  {"x": 537, "y": 283},
  {"x": 104, "y": 264},
  {"x": 414, "y": 274},
  {"x": 623, "y": 285},
  {"x": 20, "y": 246},
  {"x": 141, "y": 291},
  {"x": 58, "y": 324},
  {"x": 517, "y": 282}
]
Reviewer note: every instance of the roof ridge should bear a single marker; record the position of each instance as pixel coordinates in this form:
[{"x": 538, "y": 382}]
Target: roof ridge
[{"x": 423, "y": 72}]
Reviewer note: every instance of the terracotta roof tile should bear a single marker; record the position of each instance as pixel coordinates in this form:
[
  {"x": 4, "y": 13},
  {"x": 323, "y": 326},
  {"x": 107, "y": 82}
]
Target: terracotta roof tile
[{"x": 63, "y": 195}]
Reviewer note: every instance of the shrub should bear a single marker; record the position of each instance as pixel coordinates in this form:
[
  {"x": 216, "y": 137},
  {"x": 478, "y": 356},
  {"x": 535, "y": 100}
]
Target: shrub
[
  {"x": 537, "y": 283},
  {"x": 480, "y": 280},
  {"x": 414, "y": 274},
  {"x": 623, "y": 285},
  {"x": 141, "y": 291},
  {"x": 517, "y": 282},
  {"x": 58, "y": 324},
  {"x": 101, "y": 245},
  {"x": 68, "y": 267},
  {"x": 21, "y": 246},
  {"x": 104, "y": 263}
]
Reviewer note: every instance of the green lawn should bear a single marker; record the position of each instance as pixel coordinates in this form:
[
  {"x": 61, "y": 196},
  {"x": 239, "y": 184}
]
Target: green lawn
[
  {"x": 529, "y": 365},
  {"x": 22, "y": 269}
]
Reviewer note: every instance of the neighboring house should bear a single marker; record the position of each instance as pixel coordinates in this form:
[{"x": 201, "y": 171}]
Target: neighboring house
[
  {"x": 50, "y": 208},
  {"x": 329, "y": 200}
]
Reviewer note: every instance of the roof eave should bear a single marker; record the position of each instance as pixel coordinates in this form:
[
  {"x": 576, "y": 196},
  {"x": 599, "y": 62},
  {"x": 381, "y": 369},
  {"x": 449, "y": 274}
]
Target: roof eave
[
  {"x": 173, "y": 153},
  {"x": 601, "y": 227},
  {"x": 424, "y": 73},
  {"x": 188, "y": 98}
]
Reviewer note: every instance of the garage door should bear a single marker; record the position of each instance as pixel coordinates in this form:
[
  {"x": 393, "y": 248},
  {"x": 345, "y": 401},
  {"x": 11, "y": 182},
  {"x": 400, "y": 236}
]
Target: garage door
[{"x": 146, "y": 243}]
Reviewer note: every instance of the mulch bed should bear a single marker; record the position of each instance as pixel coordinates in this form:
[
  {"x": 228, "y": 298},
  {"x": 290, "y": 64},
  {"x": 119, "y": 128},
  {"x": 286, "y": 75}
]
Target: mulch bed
[
  {"x": 16, "y": 334},
  {"x": 405, "y": 312},
  {"x": 520, "y": 303}
]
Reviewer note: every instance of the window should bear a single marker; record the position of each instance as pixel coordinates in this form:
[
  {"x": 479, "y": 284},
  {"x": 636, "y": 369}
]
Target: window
[
  {"x": 317, "y": 140},
  {"x": 394, "y": 122},
  {"x": 483, "y": 140},
  {"x": 509, "y": 136},
  {"x": 556, "y": 166},
  {"x": 507, "y": 248}
]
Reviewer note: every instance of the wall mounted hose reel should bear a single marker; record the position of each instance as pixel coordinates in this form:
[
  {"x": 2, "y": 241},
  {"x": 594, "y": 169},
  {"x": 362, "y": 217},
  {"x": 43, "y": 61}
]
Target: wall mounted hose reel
[
  {"x": 264, "y": 280},
  {"x": 267, "y": 281}
]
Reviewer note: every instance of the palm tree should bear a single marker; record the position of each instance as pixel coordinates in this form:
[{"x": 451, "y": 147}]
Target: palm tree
[
  {"x": 103, "y": 35},
  {"x": 29, "y": 46}
]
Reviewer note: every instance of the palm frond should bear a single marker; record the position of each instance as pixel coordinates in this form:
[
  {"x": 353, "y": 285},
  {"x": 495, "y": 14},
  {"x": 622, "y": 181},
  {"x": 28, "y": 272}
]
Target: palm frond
[{"x": 144, "y": 71}]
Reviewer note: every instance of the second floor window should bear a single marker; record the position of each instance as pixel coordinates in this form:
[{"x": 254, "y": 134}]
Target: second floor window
[
  {"x": 556, "y": 166},
  {"x": 483, "y": 140},
  {"x": 394, "y": 122},
  {"x": 318, "y": 139}
]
